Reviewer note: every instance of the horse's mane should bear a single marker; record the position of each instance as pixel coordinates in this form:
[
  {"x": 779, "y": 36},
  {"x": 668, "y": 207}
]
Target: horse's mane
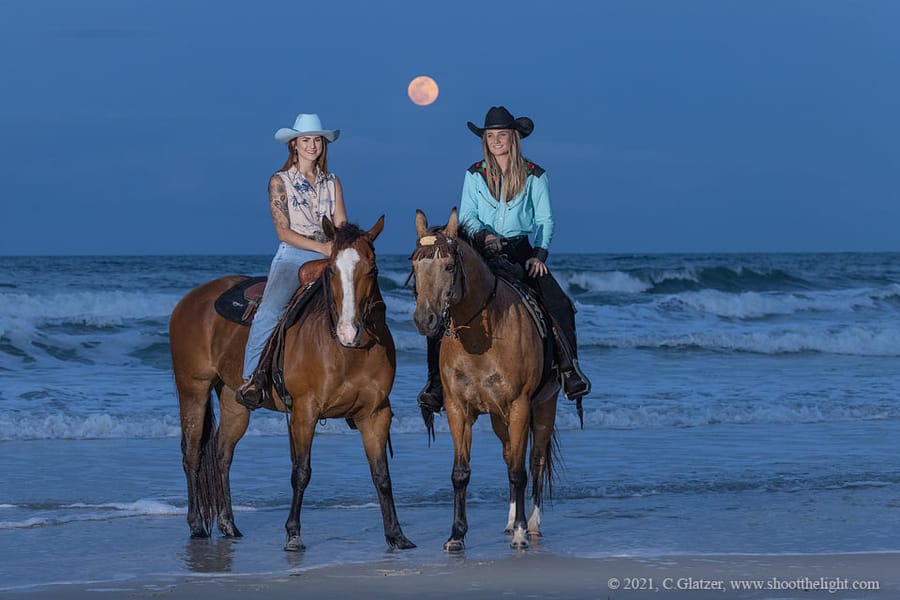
[
  {"x": 346, "y": 234},
  {"x": 468, "y": 236},
  {"x": 475, "y": 239}
]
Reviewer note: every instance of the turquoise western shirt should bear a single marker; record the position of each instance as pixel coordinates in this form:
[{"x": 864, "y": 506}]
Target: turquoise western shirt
[{"x": 527, "y": 213}]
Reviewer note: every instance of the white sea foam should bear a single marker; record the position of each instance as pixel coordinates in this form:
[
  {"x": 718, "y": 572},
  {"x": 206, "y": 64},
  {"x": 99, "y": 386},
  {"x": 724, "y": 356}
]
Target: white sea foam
[
  {"x": 608, "y": 281},
  {"x": 30, "y": 523},
  {"x": 69, "y": 426},
  {"x": 751, "y": 305},
  {"x": 97, "y": 308},
  {"x": 82, "y": 327},
  {"x": 80, "y": 512},
  {"x": 139, "y": 507},
  {"x": 850, "y": 340},
  {"x": 648, "y": 415},
  {"x": 889, "y": 292}
]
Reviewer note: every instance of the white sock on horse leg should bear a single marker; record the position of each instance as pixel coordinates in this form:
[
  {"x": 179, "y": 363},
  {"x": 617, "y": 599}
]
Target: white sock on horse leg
[{"x": 534, "y": 521}]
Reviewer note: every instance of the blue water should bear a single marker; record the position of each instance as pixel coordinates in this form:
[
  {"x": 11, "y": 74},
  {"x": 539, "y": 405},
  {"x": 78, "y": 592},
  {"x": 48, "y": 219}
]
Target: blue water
[{"x": 741, "y": 404}]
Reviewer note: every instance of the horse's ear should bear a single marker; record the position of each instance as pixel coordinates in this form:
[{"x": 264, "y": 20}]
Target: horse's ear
[
  {"x": 376, "y": 229},
  {"x": 452, "y": 224},
  {"x": 421, "y": 223},
  {"x": 328, "y": 227}
]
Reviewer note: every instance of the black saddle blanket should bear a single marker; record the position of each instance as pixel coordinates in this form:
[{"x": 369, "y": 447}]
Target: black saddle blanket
[
  {"x": 539, "y": 315},
  {"x": 238, "y": 304}
]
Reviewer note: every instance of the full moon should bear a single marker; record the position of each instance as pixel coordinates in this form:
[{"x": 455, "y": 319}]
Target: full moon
[{"x": 422, "y": 90}]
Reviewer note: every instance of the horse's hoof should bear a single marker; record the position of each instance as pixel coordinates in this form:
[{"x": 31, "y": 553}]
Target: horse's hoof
[
  {"x": 519, "y": 540},
  {"x": 294, "y": 544},
  {"x": 400, "y": 542},
  {"x": 454, "y": 546},
  {"x": 199, "y": 534},
  {"x": 230, "y": 531}
]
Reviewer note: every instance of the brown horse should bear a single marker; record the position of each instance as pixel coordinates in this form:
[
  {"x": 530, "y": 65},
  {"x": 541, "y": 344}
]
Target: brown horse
[
  {"x": 339, "y": 362},
  {"x": 491, "y": 361}
]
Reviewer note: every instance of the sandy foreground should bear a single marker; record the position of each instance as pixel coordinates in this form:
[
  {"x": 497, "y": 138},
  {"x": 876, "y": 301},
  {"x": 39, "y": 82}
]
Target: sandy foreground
[{"x": 536, "y": 576}]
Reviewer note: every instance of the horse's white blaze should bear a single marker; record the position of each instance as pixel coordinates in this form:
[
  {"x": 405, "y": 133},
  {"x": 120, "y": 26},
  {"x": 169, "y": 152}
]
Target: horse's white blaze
[
  {"x": 346, "y": 263},
  {"x": 512, "y": 516},
  {"x": 534, "y": 521}
]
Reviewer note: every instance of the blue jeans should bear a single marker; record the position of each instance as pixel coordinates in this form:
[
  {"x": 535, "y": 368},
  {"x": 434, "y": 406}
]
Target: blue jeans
[{"x": 280, "y": 287}]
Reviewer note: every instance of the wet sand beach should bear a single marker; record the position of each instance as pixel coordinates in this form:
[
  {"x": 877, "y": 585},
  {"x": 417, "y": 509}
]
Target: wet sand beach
[{"x": 537, "y": 576}]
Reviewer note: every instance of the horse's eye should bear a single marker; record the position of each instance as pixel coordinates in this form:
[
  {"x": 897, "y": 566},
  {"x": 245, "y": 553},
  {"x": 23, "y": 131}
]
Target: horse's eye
[
  {"x": 450, "y": 267},
  {"x": 373, "y": 272}
]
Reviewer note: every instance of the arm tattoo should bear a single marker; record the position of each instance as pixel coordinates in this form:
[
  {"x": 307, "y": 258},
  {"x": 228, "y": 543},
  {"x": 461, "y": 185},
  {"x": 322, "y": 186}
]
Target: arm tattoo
[{"x": 280, "y": 213}]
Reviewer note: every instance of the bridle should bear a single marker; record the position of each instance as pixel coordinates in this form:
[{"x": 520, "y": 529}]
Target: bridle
[{"x": 439, "y": 245}]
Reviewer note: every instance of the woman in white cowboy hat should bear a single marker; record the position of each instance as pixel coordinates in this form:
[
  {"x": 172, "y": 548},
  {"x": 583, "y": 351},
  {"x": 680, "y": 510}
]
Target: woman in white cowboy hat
[
  {"x": 506, "y": 198},
  {"x": 300, "y": 194}
]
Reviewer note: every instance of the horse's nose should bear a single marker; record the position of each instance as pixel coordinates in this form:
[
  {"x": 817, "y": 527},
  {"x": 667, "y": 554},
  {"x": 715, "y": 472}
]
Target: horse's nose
[
  {"x": 426, "y": 321},
  {"x": 348, "y": 334}
]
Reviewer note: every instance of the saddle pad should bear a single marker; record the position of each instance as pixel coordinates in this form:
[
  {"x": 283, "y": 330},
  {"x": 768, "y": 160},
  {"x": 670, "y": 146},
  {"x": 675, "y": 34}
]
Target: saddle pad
[
  {"x": 238, "y": 303},
  {"x": 539, "y": 315},
  {"x": 532, "y": 303}
]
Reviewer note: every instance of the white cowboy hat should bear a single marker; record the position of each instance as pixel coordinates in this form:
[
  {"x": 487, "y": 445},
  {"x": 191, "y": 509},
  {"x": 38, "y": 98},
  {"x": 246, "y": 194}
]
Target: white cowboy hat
[{"x": 306, "y": 125}]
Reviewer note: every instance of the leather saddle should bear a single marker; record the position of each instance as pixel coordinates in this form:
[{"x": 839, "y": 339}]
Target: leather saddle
[{"x": 239, "y": 303}]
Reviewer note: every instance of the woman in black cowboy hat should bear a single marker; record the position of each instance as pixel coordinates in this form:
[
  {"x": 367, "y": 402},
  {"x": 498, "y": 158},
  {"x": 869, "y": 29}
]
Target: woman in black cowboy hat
[{"x": 505, "y": 199}]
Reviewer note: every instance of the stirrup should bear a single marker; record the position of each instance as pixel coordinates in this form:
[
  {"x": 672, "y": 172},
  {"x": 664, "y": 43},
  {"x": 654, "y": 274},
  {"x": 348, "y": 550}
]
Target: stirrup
[
  {"x": 432, "y": 397},
  {"x": 431, "y": 401},
  {"x": 575, "y": 383},
  {"x": 249, "y": 394}
]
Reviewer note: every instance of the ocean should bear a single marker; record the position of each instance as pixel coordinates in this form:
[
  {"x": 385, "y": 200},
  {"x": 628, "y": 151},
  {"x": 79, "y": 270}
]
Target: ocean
[{"x": 741, "y": 403}]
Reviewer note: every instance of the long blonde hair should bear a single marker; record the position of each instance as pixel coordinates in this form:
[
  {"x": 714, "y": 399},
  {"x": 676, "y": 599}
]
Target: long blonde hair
[
  {"x": 321, "y": 162},
  {"x": 506, "y": 186}
]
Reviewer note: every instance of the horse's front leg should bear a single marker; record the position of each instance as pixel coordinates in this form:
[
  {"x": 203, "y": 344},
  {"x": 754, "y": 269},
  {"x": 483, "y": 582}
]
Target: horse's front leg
[
  {"x": 232, "y": 426},
  {"x": 302, "y": 429},
  {"x": 519, "y": 426},
  {"x": 461, "y": 430},
  {"x": 375, "y": 431}
]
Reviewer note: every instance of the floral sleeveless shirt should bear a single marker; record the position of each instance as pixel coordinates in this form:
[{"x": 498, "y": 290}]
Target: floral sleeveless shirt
[{"x": 309, "y": 202}]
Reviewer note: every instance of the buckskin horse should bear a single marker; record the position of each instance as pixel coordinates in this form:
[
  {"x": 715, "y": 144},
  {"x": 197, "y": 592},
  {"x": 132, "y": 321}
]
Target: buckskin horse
[
  {"x": 491, "y": 362},
  {"x": 339, "y": 361}
]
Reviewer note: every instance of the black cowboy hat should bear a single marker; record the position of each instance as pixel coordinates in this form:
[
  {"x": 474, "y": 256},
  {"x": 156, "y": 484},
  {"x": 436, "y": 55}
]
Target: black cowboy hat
[{"x": 500, "y": 118}]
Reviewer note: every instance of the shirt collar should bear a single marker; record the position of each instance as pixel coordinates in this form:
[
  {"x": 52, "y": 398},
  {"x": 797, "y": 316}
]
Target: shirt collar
[{"x": 296, "y": 174}]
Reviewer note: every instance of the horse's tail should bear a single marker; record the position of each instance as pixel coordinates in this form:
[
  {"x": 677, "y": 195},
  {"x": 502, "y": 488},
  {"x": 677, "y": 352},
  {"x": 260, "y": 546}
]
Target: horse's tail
[
  {"x": 554, "y": 454},
  {"x": 552, "y": 460},
  {"x": 210, "y": 489}
]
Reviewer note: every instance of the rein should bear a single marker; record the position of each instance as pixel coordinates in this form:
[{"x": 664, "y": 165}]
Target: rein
[{"x": 452, "y": 330}]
